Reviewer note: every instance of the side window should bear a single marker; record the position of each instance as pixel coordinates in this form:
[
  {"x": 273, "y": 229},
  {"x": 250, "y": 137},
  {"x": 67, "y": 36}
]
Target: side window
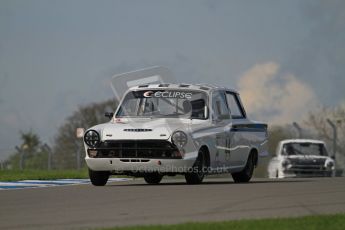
[
  {"x": 219, "y": 106},
  {"x": 236, "y": 109}
]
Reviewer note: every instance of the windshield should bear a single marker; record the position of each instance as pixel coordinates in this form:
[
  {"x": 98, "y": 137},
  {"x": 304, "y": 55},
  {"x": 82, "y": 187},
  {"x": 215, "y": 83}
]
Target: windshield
[
  {"x": 304, "y": 149},
  {"x": 164, "y": 103}
]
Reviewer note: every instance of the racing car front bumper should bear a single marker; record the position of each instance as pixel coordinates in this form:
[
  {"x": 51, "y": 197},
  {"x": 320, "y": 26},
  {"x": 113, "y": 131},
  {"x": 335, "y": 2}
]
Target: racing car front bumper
[
  {"x": 118, "y": 165},
  {"x": 306, "y": 173}
]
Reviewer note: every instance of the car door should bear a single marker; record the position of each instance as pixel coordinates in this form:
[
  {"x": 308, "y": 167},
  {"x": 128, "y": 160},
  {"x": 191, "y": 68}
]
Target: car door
[
  {"x": 221, "y": 126},
  {"x": 239, "y": 148}
]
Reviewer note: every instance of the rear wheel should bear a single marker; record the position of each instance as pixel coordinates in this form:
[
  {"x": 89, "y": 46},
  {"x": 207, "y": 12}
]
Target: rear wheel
[
  {"x": 98, "y": 178},
  {"x": 153, "y": 178},
  {"x": 198, "y": 173},
  {"x": 246, "y": 174}
]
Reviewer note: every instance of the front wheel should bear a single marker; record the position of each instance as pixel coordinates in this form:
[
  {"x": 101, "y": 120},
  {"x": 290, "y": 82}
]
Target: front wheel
[
  {"x": 198, "y": 173},
  {"x": 98, "y": 178},
  {"x": 153, "y": 178},
  {"x": 246, "y": 174}
]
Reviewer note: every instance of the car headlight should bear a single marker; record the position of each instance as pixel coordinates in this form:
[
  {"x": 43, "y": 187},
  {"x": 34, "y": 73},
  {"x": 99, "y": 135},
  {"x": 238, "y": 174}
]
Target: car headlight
[
  {"x": 92, "y": 138},
  {"x": 179, "y": 138},
  {"x": 286, "y": 163},
  {"x": 330, "y": 165}
]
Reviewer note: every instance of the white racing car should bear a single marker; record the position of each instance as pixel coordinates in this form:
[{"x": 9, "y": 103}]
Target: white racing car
[
  {"x": 170, "y": 129},
  {"x": 301, "y": 158}
]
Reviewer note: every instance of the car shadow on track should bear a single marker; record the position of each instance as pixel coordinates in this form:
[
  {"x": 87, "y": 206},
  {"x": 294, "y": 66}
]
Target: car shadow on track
[{"x": 210, "y": 182}]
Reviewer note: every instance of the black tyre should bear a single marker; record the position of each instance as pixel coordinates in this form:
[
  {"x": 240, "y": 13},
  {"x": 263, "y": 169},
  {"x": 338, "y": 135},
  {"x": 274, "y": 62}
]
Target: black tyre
[
  {"x": 328, "y": 174},
  {"x": 98, "y": 178},
  {"x": 153, "y": 178},
  {"x": 246, "y": 174},
  {"x": 198, "y": 173}
]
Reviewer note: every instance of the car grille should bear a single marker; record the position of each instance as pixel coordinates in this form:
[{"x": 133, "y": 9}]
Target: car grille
[
  {"x": 137, "y": 130},
  {"x": 155, "y": 149},
  {"x": 308, "y": 162},
  {"x": 307, "y": 165}
]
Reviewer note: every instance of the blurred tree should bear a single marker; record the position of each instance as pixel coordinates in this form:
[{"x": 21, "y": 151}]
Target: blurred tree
[
  {"x": 29, "y": 155},
  {"x": 31, "y": 142},
  {"x": 68, "y": 149},
  {"x": 317, "y": 120},
  {"x": 276, "y": 134}
]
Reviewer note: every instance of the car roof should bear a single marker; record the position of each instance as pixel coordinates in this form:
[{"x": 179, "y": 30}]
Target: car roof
[
  {"x": 301, "y": 141},
  {"x": 203, "y": 87}
]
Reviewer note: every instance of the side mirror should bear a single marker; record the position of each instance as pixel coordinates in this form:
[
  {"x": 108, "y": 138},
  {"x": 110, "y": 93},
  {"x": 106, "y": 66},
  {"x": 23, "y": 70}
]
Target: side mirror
[{"x": 109, "y": 114}]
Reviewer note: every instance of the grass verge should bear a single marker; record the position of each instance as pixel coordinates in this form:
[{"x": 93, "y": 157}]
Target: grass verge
[
  {"x": 321, "y": 222},
  {"x": 15, "y": 175}
]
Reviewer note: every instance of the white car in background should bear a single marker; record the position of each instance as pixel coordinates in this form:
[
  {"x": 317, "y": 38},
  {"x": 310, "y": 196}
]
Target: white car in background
[
  {"x": 170, "y": 129},
  {"x": 301, "y": 158}
]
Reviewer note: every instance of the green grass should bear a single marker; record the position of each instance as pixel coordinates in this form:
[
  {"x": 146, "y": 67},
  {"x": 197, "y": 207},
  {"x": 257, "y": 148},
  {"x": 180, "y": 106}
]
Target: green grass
[
  {"x": 15, "y": 175},
  {"x": 322, "y": 222}
]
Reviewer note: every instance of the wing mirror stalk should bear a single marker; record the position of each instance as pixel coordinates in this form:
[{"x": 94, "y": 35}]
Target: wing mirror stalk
[{"x": 109, "y": 114}]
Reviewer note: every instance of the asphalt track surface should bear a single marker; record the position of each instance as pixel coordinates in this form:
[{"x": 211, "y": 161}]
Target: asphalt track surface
[{"x": 134, "y": 202}]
